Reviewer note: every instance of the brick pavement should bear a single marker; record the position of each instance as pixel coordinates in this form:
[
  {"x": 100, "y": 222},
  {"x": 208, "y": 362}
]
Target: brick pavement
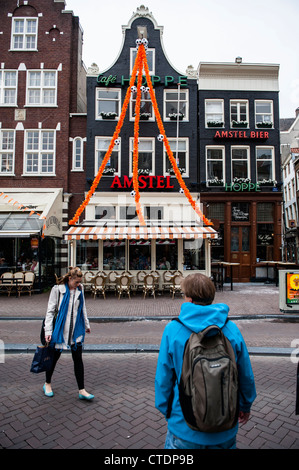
[{"x": 122, "y": 415}]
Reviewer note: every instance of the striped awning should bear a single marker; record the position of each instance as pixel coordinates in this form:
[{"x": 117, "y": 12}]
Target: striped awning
[{"x": 136, "y": 233}]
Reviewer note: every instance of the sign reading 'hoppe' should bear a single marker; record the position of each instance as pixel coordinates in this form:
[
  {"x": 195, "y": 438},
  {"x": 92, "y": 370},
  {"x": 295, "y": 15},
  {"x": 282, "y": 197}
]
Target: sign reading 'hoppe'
[{"x": 109, "y": 80}]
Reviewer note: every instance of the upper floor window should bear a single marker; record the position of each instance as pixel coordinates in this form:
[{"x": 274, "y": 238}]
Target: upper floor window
[
  {"x": 146, "y": 156},
  {"x": 239, "y": 113},
  {"x": 41, "y": 88},
  {"x": 265, "y": 165},
  {"x": 215, "y": 166},
  {"x": 39, "y": 152},
  {"x": 214, "y": 113},
  {"x": 146, "y": 107},
  {"x": 176, "y": 105},
  {"x": 108, "y": 103},
  {"x": 150, "y": 56},
  {"x": 77, "y": 154},
  {"x": 8, "y": 87},
  {"x": 180, "y": 151},
  {"x": 7, "y": 151},
  {"x": 24, "y": 34},
  {"x": 264, "y": 114},
  {"x": 240, "y": 162},
  {"x": 113, "y": 166}
]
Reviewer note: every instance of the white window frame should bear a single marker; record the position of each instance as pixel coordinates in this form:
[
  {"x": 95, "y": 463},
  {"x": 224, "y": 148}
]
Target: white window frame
[
  {"x": 77, "y": 154},
  {"x": 215, "y": 147},
  {"x": 8, "y": 87},
  {"x": 172, "y": 143},
  {"x": 38, "y": 151},
  {"x": 272, "y": 160},
  {"x": 150, "y": 51},
  {"x": 238, "y": 103},
  {"x": 242, "y": 147},
  {"x": 166, "y": 116},
  {"x": 116, "y": 148},
  {"x": 7, "y": 146},
  {"x": 117, "y": 100},
  {"x": 142, "y": 139},
  {"x": 269, "y": 116},
  {"x": 41, "y": 88},
  {"x": 209, "y": 115},
  {"x": 145, "y": 97},
  {"x": 25, "y": 34}
]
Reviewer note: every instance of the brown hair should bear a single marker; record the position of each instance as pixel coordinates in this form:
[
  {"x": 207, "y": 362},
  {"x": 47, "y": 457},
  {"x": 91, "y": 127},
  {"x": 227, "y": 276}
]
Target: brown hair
[
  {"x": 200, "y": 288},
  {"x": 72, "y": 272}
]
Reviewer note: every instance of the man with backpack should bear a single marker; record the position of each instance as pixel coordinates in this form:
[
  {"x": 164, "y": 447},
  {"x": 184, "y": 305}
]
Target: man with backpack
[{"x": 204, "y": 381}]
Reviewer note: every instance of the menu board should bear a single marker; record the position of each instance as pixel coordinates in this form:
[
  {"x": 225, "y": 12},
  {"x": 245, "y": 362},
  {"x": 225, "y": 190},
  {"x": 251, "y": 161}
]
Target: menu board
[{"x": 292, "y": 286}]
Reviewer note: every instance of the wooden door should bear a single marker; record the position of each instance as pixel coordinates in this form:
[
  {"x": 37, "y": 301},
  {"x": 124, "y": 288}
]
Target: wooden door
[{"x": 240, "y": 252}]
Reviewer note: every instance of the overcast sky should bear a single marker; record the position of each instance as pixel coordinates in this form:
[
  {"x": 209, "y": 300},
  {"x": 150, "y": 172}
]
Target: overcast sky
[{"x": 203, "y": 31}]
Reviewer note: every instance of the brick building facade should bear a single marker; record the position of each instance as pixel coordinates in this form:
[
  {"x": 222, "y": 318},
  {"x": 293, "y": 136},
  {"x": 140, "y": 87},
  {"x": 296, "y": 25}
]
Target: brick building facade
[{"x": 42, "y": 133}]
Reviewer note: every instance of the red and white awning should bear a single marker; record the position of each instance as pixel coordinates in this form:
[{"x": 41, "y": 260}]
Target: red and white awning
[{"x": 136, "y": 233}]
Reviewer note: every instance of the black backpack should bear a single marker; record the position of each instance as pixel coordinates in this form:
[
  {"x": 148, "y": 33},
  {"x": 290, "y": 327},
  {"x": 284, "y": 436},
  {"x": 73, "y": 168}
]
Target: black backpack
[{"x": 208, "y": 387}]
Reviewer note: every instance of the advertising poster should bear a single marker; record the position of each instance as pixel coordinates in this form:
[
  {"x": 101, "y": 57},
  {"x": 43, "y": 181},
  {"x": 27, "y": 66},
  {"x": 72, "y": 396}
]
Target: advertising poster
[{"x": 292, "y": 285}]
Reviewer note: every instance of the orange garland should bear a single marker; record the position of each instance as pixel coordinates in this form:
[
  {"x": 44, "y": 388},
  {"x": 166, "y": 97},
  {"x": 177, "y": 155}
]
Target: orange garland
[{"x": 140, "y": 61}]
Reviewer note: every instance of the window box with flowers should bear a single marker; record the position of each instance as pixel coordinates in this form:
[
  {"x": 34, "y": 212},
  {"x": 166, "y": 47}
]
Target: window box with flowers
[
  {"x": 143, "y": 171},
  {"x": 108, "y": 115},
  {"x": 175, "y": 116},
  {"x": 239, "y": 124},
  {"x": 109, "y": 171},
  {"x": 145, "y": 116},
  {"x": 181, "y": 170},
  {"x": 264, "y": 125},
  {"x": 215, "y": 123},
  {"x": 215, "y": 182},
  {"x": 269, "y": 182},
  {"x": 241, "y": 180}
]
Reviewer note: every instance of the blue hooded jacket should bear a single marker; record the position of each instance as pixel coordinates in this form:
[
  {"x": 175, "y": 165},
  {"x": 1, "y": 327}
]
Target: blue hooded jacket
[{"x": 196, "y": 318}]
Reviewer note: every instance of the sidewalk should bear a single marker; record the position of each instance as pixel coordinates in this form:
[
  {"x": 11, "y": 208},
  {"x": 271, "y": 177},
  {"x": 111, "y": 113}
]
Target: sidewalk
[{"x": 123, "y": 415}]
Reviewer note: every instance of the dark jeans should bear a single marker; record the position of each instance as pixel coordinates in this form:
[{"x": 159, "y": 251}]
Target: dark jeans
[{"x": 78, "y": 365}]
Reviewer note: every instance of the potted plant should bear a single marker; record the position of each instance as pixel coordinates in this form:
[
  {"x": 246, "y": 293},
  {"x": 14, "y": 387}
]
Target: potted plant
[
  {"x": 239, "y": 124},
  {"x": 175, "y": 116},
  {"x": 215, "y": 182},
  {"x": 264, "y": 124}
]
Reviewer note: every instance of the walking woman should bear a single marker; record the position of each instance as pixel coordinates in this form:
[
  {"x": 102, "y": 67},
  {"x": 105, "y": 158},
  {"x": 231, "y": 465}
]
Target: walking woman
[{"x": 71, "y": 324}]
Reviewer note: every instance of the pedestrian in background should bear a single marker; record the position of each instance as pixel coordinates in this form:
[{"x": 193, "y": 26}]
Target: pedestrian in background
[
  {"x": 197, "y": 313},
  {"x": 67, "y": 298}
]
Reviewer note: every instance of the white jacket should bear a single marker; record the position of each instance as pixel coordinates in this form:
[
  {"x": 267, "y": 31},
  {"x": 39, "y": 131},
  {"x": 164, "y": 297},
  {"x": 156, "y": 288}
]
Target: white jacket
[{"x": 56, "y": 295}]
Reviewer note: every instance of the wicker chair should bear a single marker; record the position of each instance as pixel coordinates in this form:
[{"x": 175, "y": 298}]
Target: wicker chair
[
  {"x": 6, "y": 283},
  {"x": 28, "y": 283},
  {"x": 98, "y": 285},
  {"x": 124, "y": 285},
  {"x": 176, "y": 285}
]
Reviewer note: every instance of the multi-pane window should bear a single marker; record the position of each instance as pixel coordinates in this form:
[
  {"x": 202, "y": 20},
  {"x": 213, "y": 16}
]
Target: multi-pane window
[
  {"x": 108, "y": 103},
  {"x": 264, "y": 164},
  {"x": 150, "y": 57},
  {"x": 239, "y": 113},
  {"x": 180, "y": 151},
  {"x": 176, "y": 105},
  {"x": 42, "y": 88},
  {"x": 8, "y": 87},
  {"x": 77, "y": 154},
  {"x": 146, "y": 107},
  {"x": 215, "y": 166},
  {"x": 240, "y": 162},
  {"x": 113, "y": 165},
  {"x": 24, "y": 34},
  {"x": 39, "y": 152},
  {"x": 264, "y": 113},
  {"x": 214, "y": 113},
  {"x": 7, "y": 149},
  {"x": 146, "y": 156}
]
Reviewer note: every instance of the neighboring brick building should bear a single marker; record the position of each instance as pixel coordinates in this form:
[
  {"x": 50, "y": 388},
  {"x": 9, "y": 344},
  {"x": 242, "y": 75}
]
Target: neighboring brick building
[{"x": 43, "y": 129}]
